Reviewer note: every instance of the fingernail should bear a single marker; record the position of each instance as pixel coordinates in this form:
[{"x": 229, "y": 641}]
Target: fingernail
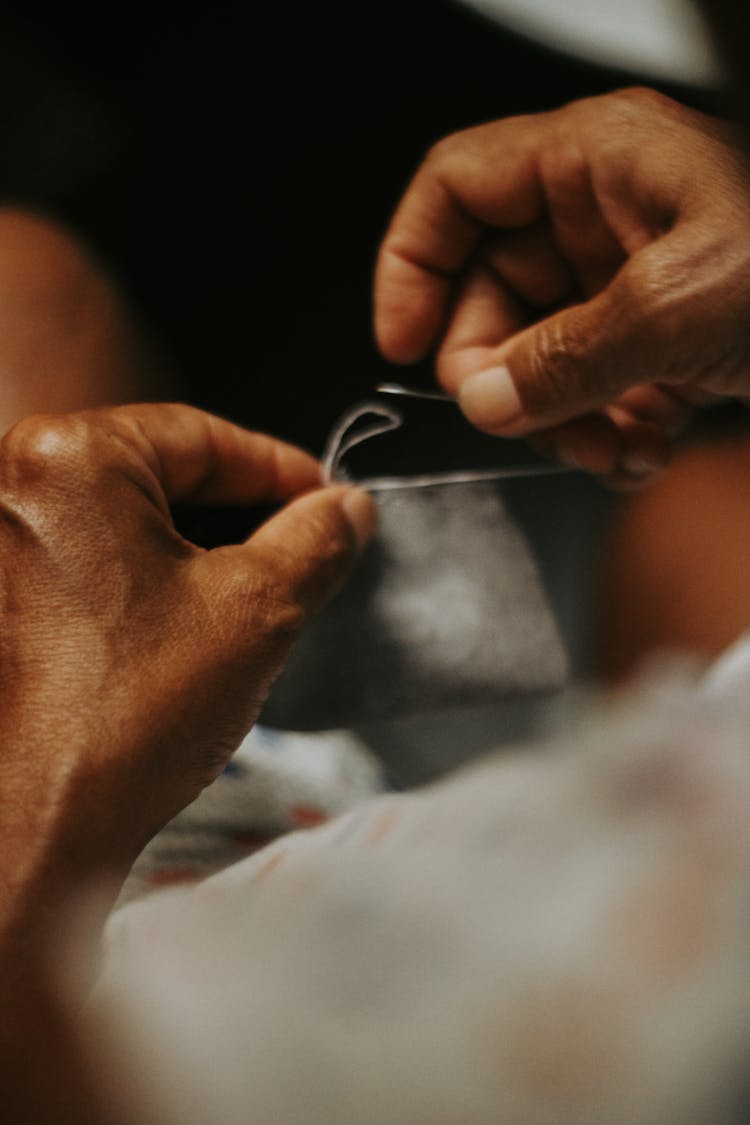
[
  {"x": 490, "y": 399},
  {"x": 359, "y": 508}
]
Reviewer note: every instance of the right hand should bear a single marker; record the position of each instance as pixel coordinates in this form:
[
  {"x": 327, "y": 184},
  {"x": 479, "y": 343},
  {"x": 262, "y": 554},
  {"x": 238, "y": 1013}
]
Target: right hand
[{"x": 584, "y": 275}]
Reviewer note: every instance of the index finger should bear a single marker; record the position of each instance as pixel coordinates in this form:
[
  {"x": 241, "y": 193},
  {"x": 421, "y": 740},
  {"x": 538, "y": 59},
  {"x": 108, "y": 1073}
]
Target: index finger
[
  {"x": 482, "y": 177},
  {"x": 204, "y": 459}
]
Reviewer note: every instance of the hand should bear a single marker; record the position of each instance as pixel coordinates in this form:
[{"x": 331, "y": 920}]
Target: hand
[
  {"x": 132, "y": 662},
  {"x": 584, "y": 273}
]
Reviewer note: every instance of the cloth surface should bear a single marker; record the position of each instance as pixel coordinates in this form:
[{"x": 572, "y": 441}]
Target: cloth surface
[
  {"x": 276, "y": 782},
  {"x": 445, "y": 610},
  {"x": 559, "y": 936}
]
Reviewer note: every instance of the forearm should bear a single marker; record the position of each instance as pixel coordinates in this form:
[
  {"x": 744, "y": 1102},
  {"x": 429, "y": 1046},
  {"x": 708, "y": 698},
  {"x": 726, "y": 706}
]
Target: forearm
[{"x": 45, "y": 1075}]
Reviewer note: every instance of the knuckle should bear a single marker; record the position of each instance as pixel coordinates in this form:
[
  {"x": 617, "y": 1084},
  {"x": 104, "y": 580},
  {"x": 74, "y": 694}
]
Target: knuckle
[
  {"x": 615, "y": 121},
  {"x": 565, "y": 162},
  {"x": 633, "y": 102},
  {"x": 438, "y": 151},
  {"x": 640, "y": 96},
  {"x": 442, "y": 156},
  {"x": 42, "y": 445},
  {"x": 452, "y": 151}
]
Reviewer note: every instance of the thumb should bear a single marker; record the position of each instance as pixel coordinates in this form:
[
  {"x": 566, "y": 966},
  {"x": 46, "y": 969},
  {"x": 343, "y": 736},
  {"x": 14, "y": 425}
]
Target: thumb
[
  {"x": 571, "y": 363},
  {"x": 312, "y": 544},
  {"x": 292, "y": 565}
]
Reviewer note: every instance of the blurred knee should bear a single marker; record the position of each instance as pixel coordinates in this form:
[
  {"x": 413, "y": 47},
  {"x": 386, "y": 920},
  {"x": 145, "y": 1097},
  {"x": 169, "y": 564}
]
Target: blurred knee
[{"x": 676, "y": 569}]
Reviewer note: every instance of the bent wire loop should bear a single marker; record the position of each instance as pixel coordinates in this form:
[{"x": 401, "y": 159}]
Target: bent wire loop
[{"x": 344, "y": 437}]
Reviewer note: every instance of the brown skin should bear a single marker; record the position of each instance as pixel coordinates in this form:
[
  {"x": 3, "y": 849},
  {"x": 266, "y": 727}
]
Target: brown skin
[
  {"x": 599, "y": 252},
  {"x": 131, "y": 665},
  {"x": 132, "y": 662},
  {"x": 68, "y": 339},
  {"x": 674, "y": 573}
]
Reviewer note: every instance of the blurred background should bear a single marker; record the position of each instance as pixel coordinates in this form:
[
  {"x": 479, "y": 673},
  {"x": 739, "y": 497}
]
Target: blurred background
[
  {"x": 235, "y": 165},
  {"x": 234, "y": 168}
]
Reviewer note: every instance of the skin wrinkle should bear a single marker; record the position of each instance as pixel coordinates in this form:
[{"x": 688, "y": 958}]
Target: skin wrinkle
[
  {"x": 143, "y": 481},
  {"x": 664, "y": 311},
  {"x": 556, "y": 361},
  {"x": 151, "y": 454},
  {"x": 513, "y": 256},
  {"x": 264, "y": 613},
  {"x": 470, "y": 222},
  {"x": 336, "y": 551},
  {"x": 611, "y": 191},
  {"x": 72, "y": 573},
  {"x": 403, "y": 255},
  {"x": 208, "y": 473},
  {"x": 587, "y": 175},
  {"x": 203, "y": 475}
]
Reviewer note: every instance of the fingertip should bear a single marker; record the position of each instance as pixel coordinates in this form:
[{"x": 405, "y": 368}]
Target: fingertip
[
  {"x": 304, "y": 552},
  {"x": 396, "y": 348},
  {"x": 409, "y": 306},
  {"x": 360, "y": 510},
  {"x": 404, "y": 340}
]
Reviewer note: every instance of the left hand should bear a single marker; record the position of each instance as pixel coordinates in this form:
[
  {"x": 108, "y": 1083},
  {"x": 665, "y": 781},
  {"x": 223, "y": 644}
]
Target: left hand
[{"x": 132, "y": 662}]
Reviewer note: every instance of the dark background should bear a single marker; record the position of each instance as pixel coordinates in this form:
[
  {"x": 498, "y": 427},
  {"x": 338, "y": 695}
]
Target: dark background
[{"x": 235, "y": 168}]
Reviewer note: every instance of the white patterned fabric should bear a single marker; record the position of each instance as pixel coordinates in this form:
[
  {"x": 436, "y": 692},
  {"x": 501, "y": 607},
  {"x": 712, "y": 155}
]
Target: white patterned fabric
[
  {"x": 277, "y": 781},
  {"x": 558, "y": 936}
]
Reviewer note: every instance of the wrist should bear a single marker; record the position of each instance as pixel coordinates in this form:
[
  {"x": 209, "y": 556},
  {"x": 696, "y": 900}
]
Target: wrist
[{"x": 52, "y": 844}]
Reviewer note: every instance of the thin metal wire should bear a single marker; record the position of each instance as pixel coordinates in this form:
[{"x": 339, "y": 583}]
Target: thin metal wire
[
  {"x": 467, "y": 476},
  {"x": 338, "y": 444},
  {"x": 412, "y": 392},
  {"x": 341, "y": 441}
]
